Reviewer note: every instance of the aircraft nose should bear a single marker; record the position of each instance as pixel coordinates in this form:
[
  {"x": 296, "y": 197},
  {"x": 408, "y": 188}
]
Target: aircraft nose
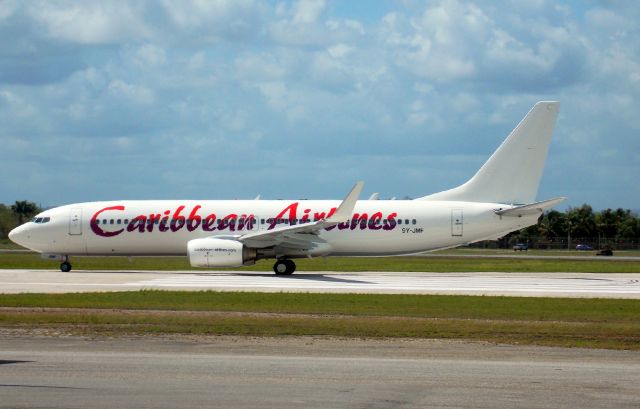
[{"x": 19, "y": 235}]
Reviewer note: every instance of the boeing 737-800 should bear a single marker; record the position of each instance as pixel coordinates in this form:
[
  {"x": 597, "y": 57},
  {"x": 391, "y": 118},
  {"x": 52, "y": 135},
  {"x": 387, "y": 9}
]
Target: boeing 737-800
[{"x": 498, "y": 199}]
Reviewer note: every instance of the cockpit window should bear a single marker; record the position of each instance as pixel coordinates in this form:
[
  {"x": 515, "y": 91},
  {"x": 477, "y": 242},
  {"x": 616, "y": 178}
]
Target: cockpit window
[
  {"x": 40, "y": 220},
  {"x": 45, "y": 219}
]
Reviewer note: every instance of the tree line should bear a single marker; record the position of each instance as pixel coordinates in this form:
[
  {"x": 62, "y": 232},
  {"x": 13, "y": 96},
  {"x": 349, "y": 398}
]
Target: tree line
[
  {"x": 619, "y": 228},
  {"x": 16, "y": 214},
  {"x": 616, "y": 229}
]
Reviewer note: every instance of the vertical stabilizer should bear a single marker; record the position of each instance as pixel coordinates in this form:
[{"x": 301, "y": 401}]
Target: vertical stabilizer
[{"x": 512, "y": 174}]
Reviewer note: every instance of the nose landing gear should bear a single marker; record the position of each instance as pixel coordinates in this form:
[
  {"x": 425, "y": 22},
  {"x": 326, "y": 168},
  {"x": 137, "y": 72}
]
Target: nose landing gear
[
  {"x": 284, "y": 267},
  {"x": 65, "y": 266}
]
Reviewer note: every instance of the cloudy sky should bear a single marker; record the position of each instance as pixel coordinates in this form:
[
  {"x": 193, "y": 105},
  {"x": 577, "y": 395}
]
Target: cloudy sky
[{"x": 228, "y": 99}]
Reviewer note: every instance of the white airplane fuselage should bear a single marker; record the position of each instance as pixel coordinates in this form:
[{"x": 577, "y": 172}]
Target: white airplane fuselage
[
  {"x": 498, "y": 199},
  {"x": 377, "y": 227}
]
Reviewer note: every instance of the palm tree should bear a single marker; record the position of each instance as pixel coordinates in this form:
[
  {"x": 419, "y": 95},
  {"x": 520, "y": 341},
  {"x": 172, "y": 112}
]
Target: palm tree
[{"x": 24, "y": 210}]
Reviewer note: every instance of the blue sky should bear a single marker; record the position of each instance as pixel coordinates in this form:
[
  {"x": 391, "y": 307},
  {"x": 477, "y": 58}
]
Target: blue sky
[{"x": 228, "y": 99}]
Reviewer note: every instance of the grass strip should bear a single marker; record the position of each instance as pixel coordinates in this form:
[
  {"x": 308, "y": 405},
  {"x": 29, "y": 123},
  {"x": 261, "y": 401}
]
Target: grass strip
[
  {"x": 594, "y": 323},
  {"x": 114, "y": 323},
  {"x": 350, "y": 264},
  {"x": 393, "y": 305}
]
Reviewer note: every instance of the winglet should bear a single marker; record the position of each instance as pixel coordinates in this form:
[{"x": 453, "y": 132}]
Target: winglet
[{"x": 345, "y": 210}]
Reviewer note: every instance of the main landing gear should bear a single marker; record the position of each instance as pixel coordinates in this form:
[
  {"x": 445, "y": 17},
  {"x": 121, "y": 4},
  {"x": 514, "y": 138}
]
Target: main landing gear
[
  {"x": 284, "y": 267},
  {"x": 65, "y": 266}
]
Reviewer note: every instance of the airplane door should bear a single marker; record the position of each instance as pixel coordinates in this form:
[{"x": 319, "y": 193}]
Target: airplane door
[
  {"x": 456, "y": 222},
  {"x": 75, "y": 222}
]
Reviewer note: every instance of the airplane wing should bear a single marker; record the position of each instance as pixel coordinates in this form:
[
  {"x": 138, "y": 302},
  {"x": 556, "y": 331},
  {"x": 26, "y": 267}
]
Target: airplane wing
[
  {"x": 533, "y": 208},
  {"x": 304, "y": 235}
]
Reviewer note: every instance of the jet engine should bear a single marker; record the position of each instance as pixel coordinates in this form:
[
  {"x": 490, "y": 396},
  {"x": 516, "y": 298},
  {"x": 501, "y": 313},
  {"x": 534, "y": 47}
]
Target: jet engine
[{"x": 214, "y": 253}]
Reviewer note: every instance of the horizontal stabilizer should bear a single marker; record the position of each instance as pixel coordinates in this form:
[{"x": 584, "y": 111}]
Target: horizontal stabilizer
[{"x": 529, "y": 209}]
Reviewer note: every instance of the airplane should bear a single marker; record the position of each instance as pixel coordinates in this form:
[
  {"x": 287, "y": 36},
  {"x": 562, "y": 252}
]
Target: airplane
[{"x": 498, "y": 199}]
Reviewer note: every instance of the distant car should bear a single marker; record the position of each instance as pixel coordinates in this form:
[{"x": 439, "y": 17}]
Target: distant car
[
  {"x": 583, "y": 247},
  {"x": 520, "y": 247}
]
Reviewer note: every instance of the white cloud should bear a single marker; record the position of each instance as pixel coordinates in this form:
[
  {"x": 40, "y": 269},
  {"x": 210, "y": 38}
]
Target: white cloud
[
  {"x": 265, "y": 66},
  {"x": 90, "y": 22},
  {"x": 150, "y": 54},
  {"x": 131, "y": 93},
  {"x": 196, "y": 61},
  {"x": 307, "y": 11},
  {"x": 16, "y": 106},
  {"x": 283, "y": 100},
  {"x": 7, "y": 8},
  {"x": 614, "y": 23},
  {"x": 199, "y": 21},
  {"x": 339, "y": 50}
]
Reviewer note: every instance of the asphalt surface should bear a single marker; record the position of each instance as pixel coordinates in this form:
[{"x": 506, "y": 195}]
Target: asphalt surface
[
  {"x": 625, "y": 285},
  {"x": 235, "y": 372}
]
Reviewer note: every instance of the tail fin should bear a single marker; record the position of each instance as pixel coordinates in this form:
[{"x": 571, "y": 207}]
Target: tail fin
[{"x": 512, "y": 174}]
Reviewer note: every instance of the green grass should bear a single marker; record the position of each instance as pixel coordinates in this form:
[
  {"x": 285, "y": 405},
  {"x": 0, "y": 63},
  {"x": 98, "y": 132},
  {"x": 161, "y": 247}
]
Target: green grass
[
  {"x": 349, "y": 264},
  {"x": 533, "y": 252},
  {"x": 8, "y": 244},
  {"x": 404, "y": 305},
  {"x": 585, "y": 335},
  {"x": 602, "y": 323}
]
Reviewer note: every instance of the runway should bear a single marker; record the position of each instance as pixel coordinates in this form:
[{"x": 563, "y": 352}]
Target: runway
[
  {"x": 294, "y": 372},
  {"x": 586, "y": 285}
]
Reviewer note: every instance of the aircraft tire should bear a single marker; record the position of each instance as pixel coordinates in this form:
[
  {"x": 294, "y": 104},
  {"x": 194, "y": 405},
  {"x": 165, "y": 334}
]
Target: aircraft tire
[
  {"x": 65, "y": 267},
  {"x": 291, "y": 266},
  {"x": 284, "y": 267}
]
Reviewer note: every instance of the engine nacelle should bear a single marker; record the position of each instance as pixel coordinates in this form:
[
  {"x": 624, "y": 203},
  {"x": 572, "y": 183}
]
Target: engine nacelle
[{"x": 215, "y": 253}]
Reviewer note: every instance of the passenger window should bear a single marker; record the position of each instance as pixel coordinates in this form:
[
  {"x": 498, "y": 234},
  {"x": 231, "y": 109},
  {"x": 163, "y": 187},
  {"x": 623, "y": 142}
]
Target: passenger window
[
  {"x": 104, "y": 221},
  {"x": 119, "y": 221},
  {"x": 399, "y": 221},
  {"x": 406, "y": 221},
  {"x": 111, "y": 221},
  {"x": 97, "y": 221},
  {"x": 414, "y": 221},
  {"x": 126, "y": 221}
]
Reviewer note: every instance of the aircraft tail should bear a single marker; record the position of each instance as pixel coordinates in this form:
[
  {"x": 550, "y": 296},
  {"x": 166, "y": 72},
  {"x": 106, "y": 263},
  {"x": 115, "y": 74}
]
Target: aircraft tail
[{"x": 512, "y": 174}]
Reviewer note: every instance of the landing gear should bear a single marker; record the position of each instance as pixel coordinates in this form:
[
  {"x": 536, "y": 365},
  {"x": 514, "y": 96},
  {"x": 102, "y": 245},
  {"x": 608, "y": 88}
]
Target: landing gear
[
  {"x": 284, "y": 267},
  {"x": 65, "y": 266}
]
